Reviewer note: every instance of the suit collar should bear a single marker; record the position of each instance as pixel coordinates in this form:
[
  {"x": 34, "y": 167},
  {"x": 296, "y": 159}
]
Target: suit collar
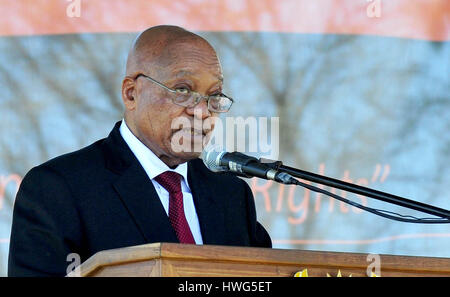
[{"x": 118, "y": 155}]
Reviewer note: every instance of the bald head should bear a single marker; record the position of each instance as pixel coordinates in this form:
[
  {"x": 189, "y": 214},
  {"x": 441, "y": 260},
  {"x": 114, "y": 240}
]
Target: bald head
[{"x": 154, "y": 48}]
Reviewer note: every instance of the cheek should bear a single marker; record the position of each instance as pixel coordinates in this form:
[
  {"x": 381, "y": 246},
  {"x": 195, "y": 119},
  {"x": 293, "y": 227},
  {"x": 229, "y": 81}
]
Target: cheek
[
  {"x": 148, "y": 115},
  {"x": 163, "y": 118},
  {"x": 156, "y": 115},
  {"x": 210, "y": 123}
]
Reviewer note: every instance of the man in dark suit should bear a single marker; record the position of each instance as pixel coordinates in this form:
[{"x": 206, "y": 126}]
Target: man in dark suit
[{"x": 137, "y": 186}]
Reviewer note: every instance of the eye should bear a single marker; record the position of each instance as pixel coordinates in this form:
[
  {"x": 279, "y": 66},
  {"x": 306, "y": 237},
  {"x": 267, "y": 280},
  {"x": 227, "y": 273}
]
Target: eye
[
  {"x": 217, "y": 93},
  {"x": 184, "y": 89}
]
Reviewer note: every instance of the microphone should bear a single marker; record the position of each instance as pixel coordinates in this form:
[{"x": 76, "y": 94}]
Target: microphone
[{"x": 243, "y": 165}]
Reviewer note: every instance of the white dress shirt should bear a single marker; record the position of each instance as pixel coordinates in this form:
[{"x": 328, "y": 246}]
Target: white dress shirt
[{"x": 153, "y": 166}]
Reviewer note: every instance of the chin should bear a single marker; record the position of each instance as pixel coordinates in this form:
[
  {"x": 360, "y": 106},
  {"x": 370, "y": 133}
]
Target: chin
[
  {"x": 183, "y": 157},
  {"x": 190, "y": 155}
]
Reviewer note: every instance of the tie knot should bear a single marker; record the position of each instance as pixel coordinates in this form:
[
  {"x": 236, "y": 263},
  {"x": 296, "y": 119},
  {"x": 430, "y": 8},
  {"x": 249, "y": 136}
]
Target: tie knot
[{"x": 171, "y": 181}]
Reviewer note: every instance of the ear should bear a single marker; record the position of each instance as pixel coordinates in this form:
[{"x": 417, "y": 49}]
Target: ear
[{"x": 129, "y": 93}]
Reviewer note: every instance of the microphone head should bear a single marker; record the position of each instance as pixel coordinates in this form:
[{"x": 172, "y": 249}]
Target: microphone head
[{"x": 211, "y": 157}]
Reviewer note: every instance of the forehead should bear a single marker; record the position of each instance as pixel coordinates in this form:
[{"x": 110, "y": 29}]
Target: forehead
[
  {"x": 186, "y": 58},
  {"x": 183, "y": 73}
]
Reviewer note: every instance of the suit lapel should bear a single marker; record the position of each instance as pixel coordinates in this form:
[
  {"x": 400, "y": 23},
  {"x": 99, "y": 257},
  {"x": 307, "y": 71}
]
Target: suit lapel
[
  {"x": 142, "y": 202},
  {"x": 136, "y": 191},
  {"x": 209, "y": 211}
]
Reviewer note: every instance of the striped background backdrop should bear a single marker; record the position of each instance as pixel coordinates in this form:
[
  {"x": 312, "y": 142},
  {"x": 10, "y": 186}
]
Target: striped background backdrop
[{"x": 361, "y": 89}]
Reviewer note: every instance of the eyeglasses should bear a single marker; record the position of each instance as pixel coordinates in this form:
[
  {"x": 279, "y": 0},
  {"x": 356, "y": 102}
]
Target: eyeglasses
[{"x": 186, "y": 98}]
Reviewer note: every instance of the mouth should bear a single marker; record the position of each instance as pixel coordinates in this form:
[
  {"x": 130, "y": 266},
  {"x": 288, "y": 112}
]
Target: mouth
[
  {"x": 189, "y": 140},
  {"x": 192, "y": 135},
  {"x": 193, "y": 132}
]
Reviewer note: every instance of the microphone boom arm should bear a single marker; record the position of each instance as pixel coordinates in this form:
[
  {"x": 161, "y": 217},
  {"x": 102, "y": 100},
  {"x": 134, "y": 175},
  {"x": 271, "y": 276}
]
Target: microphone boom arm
[{"x": 349, "y": 187}]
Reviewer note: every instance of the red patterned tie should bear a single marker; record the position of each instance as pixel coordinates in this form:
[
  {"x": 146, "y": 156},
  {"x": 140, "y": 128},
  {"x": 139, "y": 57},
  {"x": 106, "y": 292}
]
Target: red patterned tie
[{"x": 171, "y": 181}]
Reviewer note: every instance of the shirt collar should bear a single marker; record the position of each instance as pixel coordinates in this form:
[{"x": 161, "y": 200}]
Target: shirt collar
[{"x": 152, "y": 165}]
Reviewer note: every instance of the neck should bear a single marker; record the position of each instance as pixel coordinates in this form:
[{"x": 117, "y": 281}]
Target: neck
[{"x": 170, "y": 162}]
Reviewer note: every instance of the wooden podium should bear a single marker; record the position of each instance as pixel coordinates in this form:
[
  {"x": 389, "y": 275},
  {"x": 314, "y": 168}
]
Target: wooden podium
[{"x": 171, "y": 259}]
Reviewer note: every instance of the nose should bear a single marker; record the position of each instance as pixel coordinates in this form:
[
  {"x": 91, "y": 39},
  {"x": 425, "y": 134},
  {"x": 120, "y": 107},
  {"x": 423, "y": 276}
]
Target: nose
[{"x": 200, "y": 111}]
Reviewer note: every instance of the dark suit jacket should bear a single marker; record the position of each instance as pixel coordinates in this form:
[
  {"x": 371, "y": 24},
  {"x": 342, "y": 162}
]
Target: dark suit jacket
[{"x": 100, "y": 198}]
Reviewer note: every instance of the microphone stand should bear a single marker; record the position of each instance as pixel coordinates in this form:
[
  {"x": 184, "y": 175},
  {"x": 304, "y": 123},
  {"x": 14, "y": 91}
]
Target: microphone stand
[{"x": 349, "y": 187}]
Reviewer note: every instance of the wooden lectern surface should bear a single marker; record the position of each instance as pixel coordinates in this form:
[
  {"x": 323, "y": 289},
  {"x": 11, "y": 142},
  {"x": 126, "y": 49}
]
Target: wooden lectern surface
[{"x": 171, "y": 259}]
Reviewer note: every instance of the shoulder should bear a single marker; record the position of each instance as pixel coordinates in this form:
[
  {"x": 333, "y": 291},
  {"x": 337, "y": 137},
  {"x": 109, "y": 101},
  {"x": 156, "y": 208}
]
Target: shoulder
[
  {"x": 76, "y": 162},
  {"x": 65, "y": 174}
]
